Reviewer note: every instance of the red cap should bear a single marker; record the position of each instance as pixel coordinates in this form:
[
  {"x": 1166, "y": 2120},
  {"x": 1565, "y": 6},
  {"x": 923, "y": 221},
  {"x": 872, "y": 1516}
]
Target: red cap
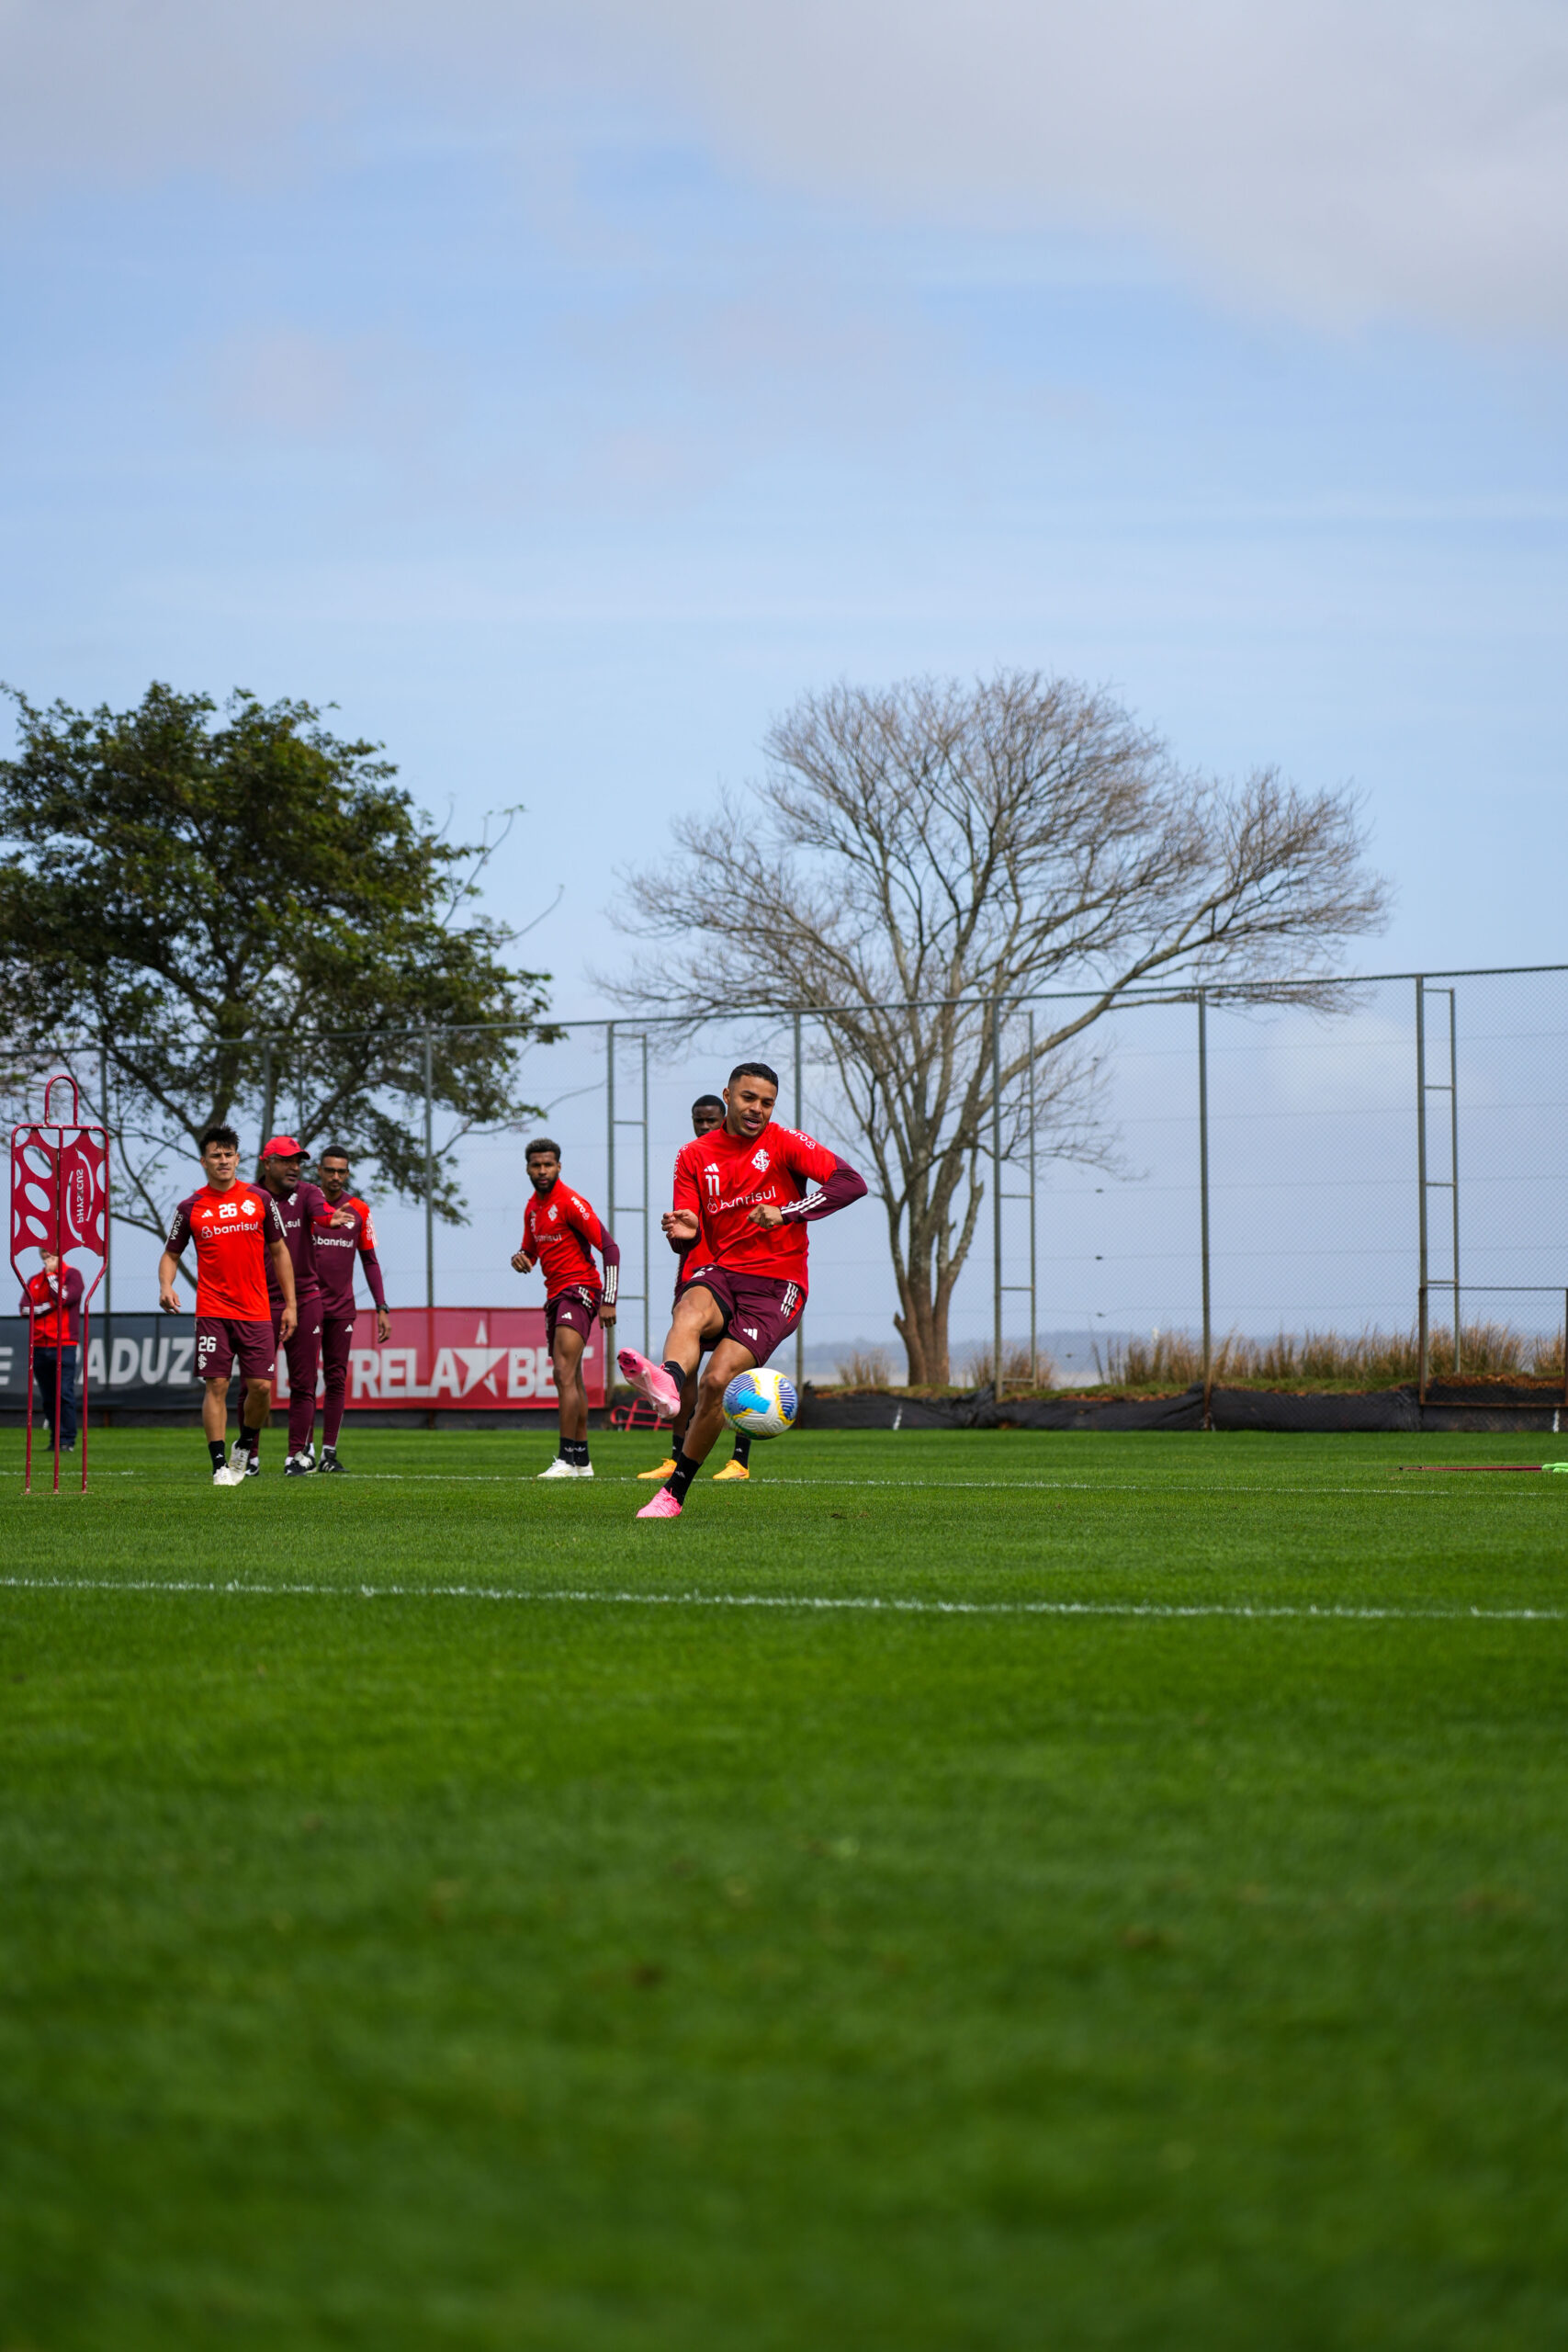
[{"x": 283, "y": 1147}]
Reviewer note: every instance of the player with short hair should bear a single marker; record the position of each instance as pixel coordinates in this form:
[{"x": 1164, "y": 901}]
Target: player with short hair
[
  {"x": 240, "y": 1242},
  {"x": 337, "y": 1248},
  {"x": 707, "y": 1113},
  {"x": 300, "y": 1207},
  {"x": 744, "y": 1192},
  {"x": 559, "y": 1231}
]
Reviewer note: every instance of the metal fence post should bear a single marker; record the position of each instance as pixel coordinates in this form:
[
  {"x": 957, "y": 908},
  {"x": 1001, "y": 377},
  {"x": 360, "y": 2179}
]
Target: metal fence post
[
  {"x": 429, "y": 1176},
  {"x": 799, "y": 1121},
  {"x": 1453, "y": 1148},
  {"x": 1204, "y": 1203},
  {"x": 996, "y": 1204},
  {"x": 1421, "y": 1305},
  {"x": 1033, "y": 1185},
  {"x": 647, "y": 1210},
  {"x": 610, "y": 1126}
]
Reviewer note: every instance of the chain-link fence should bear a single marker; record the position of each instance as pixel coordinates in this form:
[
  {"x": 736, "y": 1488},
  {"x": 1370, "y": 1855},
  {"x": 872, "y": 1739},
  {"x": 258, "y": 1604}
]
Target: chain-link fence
[{"x": 1261, "y": 1174}]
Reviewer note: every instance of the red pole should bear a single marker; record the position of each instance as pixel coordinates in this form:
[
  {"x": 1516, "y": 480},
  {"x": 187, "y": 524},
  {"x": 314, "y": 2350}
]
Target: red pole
[
  {"x": 59, "y": 1300},
  {"x": 28, "y": 1463},
  {"x": 82, "y": 1417}
]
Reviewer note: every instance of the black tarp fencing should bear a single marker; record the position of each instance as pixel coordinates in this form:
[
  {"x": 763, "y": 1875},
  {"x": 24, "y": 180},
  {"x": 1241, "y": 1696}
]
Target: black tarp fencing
[{"x": 1480, "y": 1405}]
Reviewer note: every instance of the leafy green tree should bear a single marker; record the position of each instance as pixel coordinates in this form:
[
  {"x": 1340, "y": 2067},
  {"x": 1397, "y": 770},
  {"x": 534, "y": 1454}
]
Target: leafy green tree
[{"x": 248, "y": 919}]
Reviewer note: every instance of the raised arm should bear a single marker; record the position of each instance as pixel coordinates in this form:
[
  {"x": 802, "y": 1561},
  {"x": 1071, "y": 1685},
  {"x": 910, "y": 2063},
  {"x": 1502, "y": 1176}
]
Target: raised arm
[
  {"x": 683, "y": 1222},
  {"x": 833, "y": 1191}
]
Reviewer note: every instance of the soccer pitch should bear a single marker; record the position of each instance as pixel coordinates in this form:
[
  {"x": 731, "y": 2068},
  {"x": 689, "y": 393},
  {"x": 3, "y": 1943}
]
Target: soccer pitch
[{"x": 960, "y": 1891}]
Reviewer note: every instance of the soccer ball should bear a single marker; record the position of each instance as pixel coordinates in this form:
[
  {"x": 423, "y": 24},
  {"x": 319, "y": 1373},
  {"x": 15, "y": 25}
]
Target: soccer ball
[{"x": 763, "y": 1404}]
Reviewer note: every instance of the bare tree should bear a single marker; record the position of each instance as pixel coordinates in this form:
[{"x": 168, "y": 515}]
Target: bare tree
[{"x": 921, "y": 860}]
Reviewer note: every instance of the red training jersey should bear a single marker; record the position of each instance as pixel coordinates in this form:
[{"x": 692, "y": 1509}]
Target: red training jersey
[
  {"x": 41, "y": 1300},
  {"x": 230, "y": 1231},
  {"x": 722, "y": 1178},
  {"x": 559, "y": 1230}
]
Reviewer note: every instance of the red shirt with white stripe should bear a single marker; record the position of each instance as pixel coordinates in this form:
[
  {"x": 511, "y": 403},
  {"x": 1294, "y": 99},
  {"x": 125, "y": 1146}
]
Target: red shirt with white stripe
[
  {"x": 561, "y": 1229},
  {"x": 721, "y": 1178}
]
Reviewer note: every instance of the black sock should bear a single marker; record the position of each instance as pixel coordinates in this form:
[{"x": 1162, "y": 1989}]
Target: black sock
[
  {"x": 249, "y": 1442},
  {"x": 215, "y": 1447},
  {"x": 685, "y": 1470},
  {"x": 743, "y": 1447},
  {"x": 575, "y": 1451},
  {"x": 677, "y": 1370}
]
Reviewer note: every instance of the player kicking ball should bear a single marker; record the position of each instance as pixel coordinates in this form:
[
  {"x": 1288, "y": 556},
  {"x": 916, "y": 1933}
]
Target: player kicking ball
[
  {"x": 238, "y": 1238},
  {"x": 745, "y": 1192},
  {"x": 560, "y": 1232},
  {"x": 707, "y": 1113}
]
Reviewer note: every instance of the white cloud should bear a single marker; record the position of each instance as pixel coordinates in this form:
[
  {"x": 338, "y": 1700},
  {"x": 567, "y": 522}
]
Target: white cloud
[{"x": 1395, "y": 158}]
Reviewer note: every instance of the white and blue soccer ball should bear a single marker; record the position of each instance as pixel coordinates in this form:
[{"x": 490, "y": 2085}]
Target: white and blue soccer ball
[{"x": 762, "y": 1403}]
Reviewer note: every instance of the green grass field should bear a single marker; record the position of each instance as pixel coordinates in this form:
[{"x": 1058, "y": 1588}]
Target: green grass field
[{"x": 1107, "y": 1891}]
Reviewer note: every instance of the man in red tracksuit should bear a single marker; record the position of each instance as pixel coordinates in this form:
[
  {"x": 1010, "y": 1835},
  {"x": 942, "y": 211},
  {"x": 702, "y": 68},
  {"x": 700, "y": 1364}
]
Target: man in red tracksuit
[{"x": 53, "y": 1299}]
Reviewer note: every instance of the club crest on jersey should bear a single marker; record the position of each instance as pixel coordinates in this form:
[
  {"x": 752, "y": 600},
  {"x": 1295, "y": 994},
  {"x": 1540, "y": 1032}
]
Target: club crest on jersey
[
  {"x": 761, "y": 1161},
  {"x": 554, "y": 1213}
]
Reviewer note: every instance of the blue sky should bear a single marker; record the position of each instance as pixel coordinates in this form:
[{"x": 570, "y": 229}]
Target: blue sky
[
  {"x": 560, "y": 409},
  {"x": 561, "y": 397}
]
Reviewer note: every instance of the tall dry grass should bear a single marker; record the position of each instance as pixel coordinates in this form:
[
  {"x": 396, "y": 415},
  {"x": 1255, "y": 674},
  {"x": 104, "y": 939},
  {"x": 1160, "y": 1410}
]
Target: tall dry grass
[
  {"x": 1018, "y": 1368},
  {"x": 1381, "y": 1358}
]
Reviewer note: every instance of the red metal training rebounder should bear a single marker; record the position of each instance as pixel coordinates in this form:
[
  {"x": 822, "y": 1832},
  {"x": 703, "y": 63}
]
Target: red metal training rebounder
[{"x": 59, "y": 1205}]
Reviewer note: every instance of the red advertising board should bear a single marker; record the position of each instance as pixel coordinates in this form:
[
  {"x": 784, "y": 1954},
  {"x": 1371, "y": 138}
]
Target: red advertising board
[{"x": 467, "y": 1359}]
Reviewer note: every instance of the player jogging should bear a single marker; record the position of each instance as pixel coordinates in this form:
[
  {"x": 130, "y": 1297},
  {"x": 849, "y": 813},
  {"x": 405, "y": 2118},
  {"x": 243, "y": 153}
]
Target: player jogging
[
  {"x": 559, "y": 1230},
  {"x": 300, "y": 1206},
  {"x": 707, "y": 1113},
  {"x": 743, "y": 1193},
  {"x": 337, "y": 1248},
  {"x": 239, "y": 1240}
]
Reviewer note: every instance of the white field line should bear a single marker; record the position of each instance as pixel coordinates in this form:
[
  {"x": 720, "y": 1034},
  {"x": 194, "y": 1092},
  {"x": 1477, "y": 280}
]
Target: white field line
[
  {"x": 798, "y": 1600},
  {"x": 788, "y": 1485}
]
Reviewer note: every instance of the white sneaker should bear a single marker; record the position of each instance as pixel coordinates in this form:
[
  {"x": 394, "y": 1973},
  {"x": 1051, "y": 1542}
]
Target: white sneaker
[
  {"x": 584, "y": 1469},
  {"x": 232, "y": 1475},
  {"x": 560, "y": 1468}
]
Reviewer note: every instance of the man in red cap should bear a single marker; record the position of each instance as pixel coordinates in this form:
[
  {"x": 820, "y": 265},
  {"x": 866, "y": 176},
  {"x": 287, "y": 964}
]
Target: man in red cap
[{"x": 300, "y": 1206}]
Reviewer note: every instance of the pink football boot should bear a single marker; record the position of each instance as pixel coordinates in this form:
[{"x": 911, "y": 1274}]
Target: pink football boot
[
  {"x": 650, "y": 1380},
  {"x": 663, "y": 1506}
]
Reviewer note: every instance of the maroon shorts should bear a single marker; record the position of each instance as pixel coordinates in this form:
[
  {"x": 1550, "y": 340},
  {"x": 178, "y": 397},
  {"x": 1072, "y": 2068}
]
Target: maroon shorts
[
  {"x": 220, "y": 1341},
  {"x": 574, "y": 1308},
  {"x": 758, "y": 1312}
]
